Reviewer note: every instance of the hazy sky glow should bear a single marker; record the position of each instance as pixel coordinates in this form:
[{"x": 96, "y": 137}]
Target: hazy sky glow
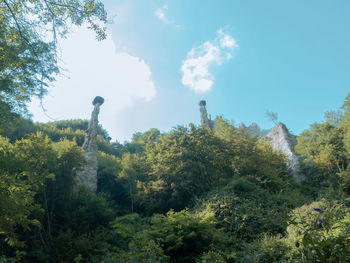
[{"x": 243, "y": 57}]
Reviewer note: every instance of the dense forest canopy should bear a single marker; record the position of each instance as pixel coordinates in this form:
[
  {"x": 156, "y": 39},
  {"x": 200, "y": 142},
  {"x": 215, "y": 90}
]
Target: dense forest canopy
[
  {"x": 191, "y": 194},
  {"x": 187, "y": 195}
]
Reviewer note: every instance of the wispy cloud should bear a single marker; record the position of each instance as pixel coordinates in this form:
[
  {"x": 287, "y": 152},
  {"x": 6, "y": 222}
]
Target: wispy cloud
[
  {"x": 195, "y": 67},
  {"x": 160, "y": 14},
  {"x": 226, "y": 40}
]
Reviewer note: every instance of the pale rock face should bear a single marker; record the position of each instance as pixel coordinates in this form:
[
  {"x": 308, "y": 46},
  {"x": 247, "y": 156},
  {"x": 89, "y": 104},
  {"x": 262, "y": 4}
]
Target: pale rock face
[
  {"x": 87, "y": 177},
  {"x": 242, "y": 126},
  {"x": 254, "y": 130},
  {"x": 205, "y": 121},
  {"x": 284, "y": 142}
]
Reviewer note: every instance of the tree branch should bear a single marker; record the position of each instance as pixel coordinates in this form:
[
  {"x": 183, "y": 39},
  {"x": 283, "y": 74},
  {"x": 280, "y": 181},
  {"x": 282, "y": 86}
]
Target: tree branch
[
  {"x": 22, "y": 36},
  {"x": 53, "y": 23}
]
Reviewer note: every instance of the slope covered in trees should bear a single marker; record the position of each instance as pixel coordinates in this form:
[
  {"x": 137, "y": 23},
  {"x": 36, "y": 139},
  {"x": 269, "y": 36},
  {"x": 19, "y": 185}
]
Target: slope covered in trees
[{"x": 188, "y": 195}]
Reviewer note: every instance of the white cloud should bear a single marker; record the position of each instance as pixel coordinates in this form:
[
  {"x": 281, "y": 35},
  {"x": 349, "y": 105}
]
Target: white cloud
[
  {"x": 95, "y": 68},
  {"x": 195, "y": 68},
  {"x": 160, "y": 13},
  {"x": 226, "y": 40}
]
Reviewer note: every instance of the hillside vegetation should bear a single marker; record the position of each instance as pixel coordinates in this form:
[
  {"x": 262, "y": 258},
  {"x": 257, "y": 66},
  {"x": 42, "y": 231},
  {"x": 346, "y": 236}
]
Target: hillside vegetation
[{"x": 187, "y": 195}]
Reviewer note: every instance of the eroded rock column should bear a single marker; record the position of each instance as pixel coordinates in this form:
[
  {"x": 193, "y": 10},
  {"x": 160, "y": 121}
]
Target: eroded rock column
[
  {"x": 205, "y": 121},
  {"x": 87, "y": 177},
  {"x": 283, "y": 141}
]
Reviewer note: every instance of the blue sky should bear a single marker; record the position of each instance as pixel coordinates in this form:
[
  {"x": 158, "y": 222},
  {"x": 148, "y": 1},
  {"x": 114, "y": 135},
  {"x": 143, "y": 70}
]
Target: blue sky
[{"x": 243, "y": 57}]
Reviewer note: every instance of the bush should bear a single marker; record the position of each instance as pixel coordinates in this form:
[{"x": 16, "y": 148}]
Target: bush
[
  {"x": 268, "y": 249},
  {"x": 320, "y": 233},
  {"x": 176, "y": 236}
]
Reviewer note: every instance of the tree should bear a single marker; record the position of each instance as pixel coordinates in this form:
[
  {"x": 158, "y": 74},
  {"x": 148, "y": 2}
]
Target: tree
[
  {"x": 182, "y": 164},
  {"x": 130, "y": 174},
  {"x": 108, "y": 168},
  {"x": 272, "y": 116},
  {"x": 345, "y": 124},
  {"x": 326, "y": 147},
  {"x": 24, "y": 168},
  {"x": 323, "y": 145},
  {"x": 28, "y": 38}
]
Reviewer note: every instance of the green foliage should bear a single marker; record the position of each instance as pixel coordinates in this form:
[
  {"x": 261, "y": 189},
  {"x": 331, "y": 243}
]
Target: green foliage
[
  {"x": 131, "y": 174},
  {"x": 318, "y": 232},
  {"x": 267, "y": 249},
  {"x": 24, "y": 168},
  {"x": 323, "y": 145},
  {"x": 243, "y": 204},
  {"x": 109, "y": 167},
  {"x": 143, "y": 250},
  {"x": 136, "y": 245},
  {"x": 247, "y": 154},
  {"x": 325, "y": 149},
  {"x": 184, "y": 236},
  {"x": 56, "y": 132},
  {"x": 83, "y": 228},
  {"x": 89, "y": 212},
  {"x": 245, "y": 210},
  {"x": 181, "y": 165},
  {"x": 28, "y": 62},
  {"x": 320, "y": 236},
  {"x": 39, "y": 211},
  {"x": 217, "y": 256},
  {"x": 140, "y": 140},
  {"x": 25, "y": 70},
  {"x": 75, "y": 130},
  {"x": 174, "y": 237},
  {"x": 126, "y": 226},
  {"x": 72, "y": 247},
  {"x": 16, "y": 127}
]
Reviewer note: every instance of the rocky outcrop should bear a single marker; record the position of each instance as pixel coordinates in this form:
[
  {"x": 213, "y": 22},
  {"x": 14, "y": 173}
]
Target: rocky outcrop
[
  {"x": 254, "y": 130},
  {"x": 283, "y": 141},
  {"x": 205, "y": 121},
  {"x": 87, "y": 177}
]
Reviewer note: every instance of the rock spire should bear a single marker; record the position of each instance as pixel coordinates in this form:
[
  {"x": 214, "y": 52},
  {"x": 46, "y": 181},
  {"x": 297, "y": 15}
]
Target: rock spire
[
  {"x": 282, "y": 141},
  {"x": 205, "y": 121},
  {"x": 87, "y": 177},
  {"x": 280, "y": 138}
]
